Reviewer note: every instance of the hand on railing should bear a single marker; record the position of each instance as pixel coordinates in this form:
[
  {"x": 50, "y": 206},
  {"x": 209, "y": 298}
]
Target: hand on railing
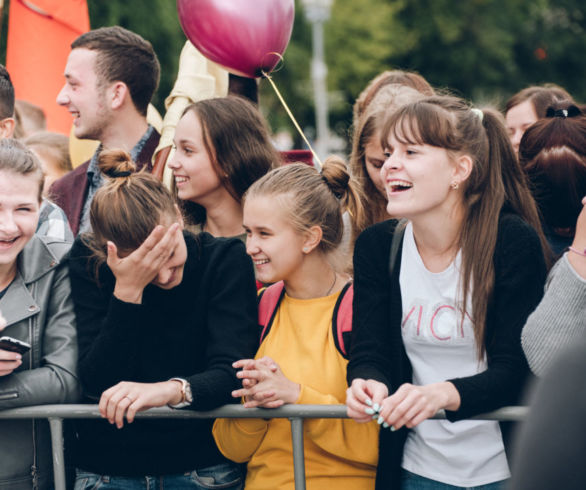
[{"x": 127, "y": 398}]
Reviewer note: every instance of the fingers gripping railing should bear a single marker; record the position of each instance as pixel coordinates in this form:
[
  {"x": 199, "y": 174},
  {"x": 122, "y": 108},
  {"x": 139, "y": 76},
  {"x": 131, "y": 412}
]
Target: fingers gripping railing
[{"x": 295, "y": 413}]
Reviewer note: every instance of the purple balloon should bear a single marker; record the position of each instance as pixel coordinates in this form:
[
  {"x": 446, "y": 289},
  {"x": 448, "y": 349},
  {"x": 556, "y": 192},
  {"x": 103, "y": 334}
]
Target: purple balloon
[{"x": 241, "y": 35}]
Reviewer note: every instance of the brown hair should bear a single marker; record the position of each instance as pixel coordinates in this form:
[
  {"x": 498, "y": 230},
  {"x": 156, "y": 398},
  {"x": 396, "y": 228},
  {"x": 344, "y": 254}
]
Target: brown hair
[
  {"x": 127, "y": 208},
  {"x": 17, "y": 158},
  {"x": 390, "y": 77},
  {"x": 236, "y": 138},
  {"x": 126, "y": 57},
  {"x": 541, "y": 97},
  {"x": 364, "y": 129},
  {"x": 31, "y": 117},
  {"x": 553, "y": 154},
  {"x": 6, "y": 94},
  {"x": 310, "y": 198},
  {"x": 496, "y": 178},
  {"x": 55, "y": 145}
]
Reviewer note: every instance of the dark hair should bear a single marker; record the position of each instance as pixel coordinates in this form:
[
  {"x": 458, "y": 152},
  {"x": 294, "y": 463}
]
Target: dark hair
[
  {"x": 553, "y": 154},
  {"x": 127, "y": 208},
  {"x": 16, "y": 157},
  {"x": 126, "y": 57},
  {"x": 6, "y": 94},
  {"x": 311, "y": 198},
  {"x": 236, "y": 138},
  {"x": 243, "y": 87},
  {"x": 390, "y": 77},
  {"x": 541, "y": 97},
  {"x": 496, "y": 178}
]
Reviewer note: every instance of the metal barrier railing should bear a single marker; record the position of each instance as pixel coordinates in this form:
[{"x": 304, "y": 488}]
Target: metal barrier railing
[{"x": 295, "y": 413}]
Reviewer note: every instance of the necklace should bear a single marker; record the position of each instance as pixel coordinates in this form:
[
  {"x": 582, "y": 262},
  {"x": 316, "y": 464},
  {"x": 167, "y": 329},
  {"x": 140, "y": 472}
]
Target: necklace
[{"x": 333, "y": 284}]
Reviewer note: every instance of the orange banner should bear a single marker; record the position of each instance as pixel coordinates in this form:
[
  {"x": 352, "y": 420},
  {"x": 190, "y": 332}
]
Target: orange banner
[{"x": 40, "y": 33}]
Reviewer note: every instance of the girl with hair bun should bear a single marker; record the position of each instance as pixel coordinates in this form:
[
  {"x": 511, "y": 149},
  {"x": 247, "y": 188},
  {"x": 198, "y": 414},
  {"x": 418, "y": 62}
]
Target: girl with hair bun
[
  {"x": 162, "y": 314},
  {"x": 293, "y": 223},
  {"x": 441, "y": 330}
]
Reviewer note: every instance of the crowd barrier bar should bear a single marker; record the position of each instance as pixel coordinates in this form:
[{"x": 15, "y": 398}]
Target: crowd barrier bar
[{"x": 295, "y": 413}]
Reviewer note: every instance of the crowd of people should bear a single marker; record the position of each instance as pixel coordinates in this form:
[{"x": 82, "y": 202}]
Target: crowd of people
[{"x": 441, "y": 267}]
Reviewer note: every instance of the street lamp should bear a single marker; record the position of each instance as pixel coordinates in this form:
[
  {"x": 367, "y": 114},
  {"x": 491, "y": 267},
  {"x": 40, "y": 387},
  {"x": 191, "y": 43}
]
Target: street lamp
[{"x": 317, "y": 12}]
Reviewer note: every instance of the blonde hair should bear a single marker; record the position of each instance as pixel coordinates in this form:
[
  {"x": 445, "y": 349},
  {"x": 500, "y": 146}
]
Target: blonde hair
[{"x": 310, "y": 198}]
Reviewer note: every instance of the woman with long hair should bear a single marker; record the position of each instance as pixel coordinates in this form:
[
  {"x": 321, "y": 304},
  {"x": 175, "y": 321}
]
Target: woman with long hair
[
  {"x": 442, "y": 329},
  {"x": 222, "y": 146}
]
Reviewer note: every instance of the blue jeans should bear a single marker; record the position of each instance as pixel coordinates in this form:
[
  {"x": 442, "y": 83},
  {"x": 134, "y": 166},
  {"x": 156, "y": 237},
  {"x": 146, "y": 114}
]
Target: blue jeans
[
  {"x": 411, "y": 481},
  {"x": 221, "y": 476}
]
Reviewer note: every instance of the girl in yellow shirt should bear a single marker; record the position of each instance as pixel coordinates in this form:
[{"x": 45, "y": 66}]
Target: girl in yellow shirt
[{"x": 293, "y": 221}]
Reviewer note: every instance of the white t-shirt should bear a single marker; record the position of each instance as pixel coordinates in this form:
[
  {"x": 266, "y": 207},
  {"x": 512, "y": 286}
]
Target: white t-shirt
[{"x": 441, "y": 346}]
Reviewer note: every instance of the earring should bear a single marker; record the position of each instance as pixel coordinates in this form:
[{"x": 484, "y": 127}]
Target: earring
[
  {"x": 455, "y": 185},
  {"x": 305, "y": 249}
]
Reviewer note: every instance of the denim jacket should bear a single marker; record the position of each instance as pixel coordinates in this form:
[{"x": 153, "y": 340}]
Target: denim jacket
[{"x": 38, "y": 310}]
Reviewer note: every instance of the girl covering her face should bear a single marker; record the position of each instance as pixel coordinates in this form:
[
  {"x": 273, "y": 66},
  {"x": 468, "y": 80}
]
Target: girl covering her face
[{"x": 162, "y": 315}]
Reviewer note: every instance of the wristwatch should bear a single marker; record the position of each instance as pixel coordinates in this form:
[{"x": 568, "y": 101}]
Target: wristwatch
[{"x": 186, "y": 395}]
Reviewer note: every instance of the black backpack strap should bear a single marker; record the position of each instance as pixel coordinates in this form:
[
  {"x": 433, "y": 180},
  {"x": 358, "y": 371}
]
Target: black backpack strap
[
  {"x": 342, "y": 319},
  {"x": 396, "y": 243}
]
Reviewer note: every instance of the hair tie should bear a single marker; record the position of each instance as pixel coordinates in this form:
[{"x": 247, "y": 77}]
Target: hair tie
[
  {"x": 479, "y": 114},
  {"x": 570, "y": 111},
  {"x": 119, "y": 173},
  {"x": 326, "y": 182}
]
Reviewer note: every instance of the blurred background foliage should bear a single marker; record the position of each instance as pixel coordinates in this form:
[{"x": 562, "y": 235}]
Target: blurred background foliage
[{"x": 483, "y": 49}]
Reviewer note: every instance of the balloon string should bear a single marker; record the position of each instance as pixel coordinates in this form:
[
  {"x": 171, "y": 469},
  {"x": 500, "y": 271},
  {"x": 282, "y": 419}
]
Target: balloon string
[{"x": 295, "y": 123}]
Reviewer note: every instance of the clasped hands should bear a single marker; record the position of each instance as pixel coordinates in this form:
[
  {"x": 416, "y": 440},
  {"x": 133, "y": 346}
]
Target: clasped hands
[
  {"x": 264, "y": 384},
  {"x": 408, "y": 406}
]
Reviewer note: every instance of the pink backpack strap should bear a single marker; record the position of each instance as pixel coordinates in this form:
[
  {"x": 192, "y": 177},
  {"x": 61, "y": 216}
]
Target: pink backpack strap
[
  {"x": 268, "y": 301},
  {"x": 342, "y": 319}
]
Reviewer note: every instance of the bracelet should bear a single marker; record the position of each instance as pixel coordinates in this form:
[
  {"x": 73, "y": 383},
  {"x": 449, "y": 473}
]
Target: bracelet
[{"x": 576, "y": 251}]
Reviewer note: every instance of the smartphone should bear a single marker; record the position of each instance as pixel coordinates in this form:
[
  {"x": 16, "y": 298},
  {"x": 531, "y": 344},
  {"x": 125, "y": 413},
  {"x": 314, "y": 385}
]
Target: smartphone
[{"x": 14, "y": 345}]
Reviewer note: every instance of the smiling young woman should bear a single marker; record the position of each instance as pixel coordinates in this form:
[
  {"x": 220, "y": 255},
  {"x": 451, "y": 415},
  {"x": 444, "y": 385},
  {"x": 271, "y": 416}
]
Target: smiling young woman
[
  {"x": 293, "y": 222},
  {"x": 443, "y": 332},
  {"x": 35, "y": 301},
  {"x": 222, "y": 146}
]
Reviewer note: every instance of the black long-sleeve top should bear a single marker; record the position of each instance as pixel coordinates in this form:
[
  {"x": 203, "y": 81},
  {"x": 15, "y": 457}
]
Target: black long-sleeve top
[
  {"x": 193, "y": 331},
  {"x": 377, "y": 350}
]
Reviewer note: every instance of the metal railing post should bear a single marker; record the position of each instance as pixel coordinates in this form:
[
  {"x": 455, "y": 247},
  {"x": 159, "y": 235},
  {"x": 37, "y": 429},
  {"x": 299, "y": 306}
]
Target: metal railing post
[
  {"x": 298, "y": 453},
  {"x": 56, "y": 427}
]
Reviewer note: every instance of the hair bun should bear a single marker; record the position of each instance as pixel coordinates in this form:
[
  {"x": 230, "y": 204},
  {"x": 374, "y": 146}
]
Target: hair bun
[
  {"x": 116, "y": 163},
  {"x": 335, "y": 175}
]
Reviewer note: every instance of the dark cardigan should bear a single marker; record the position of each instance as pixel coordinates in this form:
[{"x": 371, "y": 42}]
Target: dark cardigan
[
  {"x": 194, "y": 331},
  {"x": 378, "y": 352}
]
